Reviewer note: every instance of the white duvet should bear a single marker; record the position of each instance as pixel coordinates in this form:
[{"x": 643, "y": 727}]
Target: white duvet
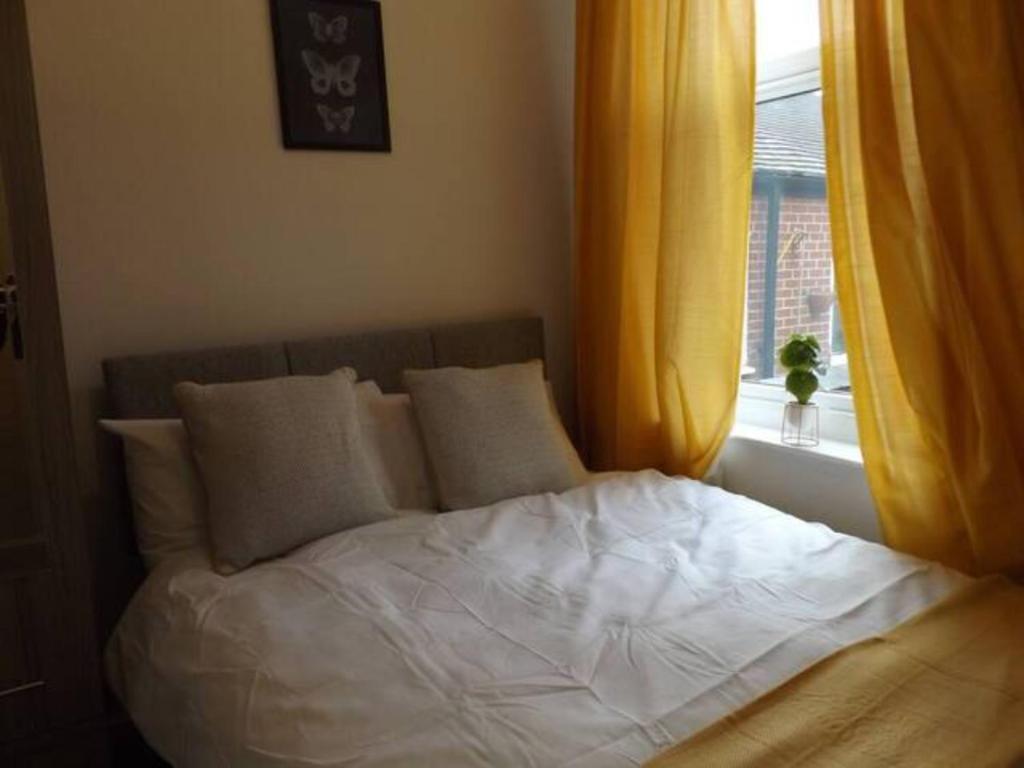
[{"x": 592, "y": 628}]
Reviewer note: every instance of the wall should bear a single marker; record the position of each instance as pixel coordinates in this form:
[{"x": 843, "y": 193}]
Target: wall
[
  {"x": 810, "y": 484},
  {"x": 179, "y": 221}
]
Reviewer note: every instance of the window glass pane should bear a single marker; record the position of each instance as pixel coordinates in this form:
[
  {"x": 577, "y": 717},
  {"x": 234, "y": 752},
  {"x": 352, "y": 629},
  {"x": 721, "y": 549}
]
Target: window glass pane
[
  {"x": 791, "y": 286},
  {"x": 784, "y": 28}
]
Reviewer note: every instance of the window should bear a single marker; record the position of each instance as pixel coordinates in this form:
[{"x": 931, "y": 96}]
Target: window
[
  {"x": 791, "y": 283},
  {"x": 791, "y": 286}
]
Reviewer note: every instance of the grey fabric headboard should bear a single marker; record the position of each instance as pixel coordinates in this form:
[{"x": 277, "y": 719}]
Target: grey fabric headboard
[{"x": 141, "y": 387}]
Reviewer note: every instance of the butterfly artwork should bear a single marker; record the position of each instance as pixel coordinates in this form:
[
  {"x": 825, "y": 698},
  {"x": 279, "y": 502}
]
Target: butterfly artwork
[
  {"x": 329, "y": 31},
  {"x": 329, "y": 57},
  {"x": 325, "y": 74},
  {"x": 336, "y": 119}
]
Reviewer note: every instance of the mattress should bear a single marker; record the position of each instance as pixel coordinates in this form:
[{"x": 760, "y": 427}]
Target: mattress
[{"x": 591, "y": 628}]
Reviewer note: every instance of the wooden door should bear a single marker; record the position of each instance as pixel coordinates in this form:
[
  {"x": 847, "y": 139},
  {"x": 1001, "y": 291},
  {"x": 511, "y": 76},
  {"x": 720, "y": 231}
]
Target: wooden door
[{"x": 49, "y": 674}]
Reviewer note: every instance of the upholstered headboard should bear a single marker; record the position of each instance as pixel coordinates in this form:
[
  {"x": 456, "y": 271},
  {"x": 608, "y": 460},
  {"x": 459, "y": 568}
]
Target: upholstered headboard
[{"x": 141, "y": 386}]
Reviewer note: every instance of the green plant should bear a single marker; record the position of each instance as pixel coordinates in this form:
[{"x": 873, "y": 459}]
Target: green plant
[{"x": 800, "y": 356}]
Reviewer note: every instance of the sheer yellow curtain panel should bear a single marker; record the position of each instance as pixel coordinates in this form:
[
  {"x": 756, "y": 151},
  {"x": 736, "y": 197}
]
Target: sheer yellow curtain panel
[
  {"x": 924, "y": 119},
  {"x": 664, "y": 143}
]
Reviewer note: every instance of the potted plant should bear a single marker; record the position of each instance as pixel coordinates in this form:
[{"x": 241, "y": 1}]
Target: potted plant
[
  {"x": 819, "y": 303},
  {"x": 801, "y": 357}
]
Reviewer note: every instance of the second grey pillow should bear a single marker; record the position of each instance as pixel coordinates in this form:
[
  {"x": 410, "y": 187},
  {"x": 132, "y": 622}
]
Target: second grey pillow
[
  {"x": 282, "y": 462},
  {"x": 492, "y": 433}
]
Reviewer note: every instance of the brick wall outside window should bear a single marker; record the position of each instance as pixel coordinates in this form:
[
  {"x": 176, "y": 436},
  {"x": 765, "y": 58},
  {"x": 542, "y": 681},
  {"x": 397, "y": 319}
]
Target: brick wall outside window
[{"x": 804, "y": 271}]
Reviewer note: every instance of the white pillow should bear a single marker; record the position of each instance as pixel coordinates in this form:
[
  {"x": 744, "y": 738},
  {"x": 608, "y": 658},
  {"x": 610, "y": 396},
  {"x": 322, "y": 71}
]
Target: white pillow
[
  {"x": 395, "y": 449},
  {"x": 168, "y": 499}
]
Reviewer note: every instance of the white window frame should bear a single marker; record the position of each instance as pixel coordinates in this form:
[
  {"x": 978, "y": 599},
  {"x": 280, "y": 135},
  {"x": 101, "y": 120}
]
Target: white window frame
[{"x": 759, "y": 405}]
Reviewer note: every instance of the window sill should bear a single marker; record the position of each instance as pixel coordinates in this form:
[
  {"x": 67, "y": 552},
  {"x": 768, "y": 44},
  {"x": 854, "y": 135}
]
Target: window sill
[
  {"x": 833, "y": 450},
  {"x": 762, "y": 405}
]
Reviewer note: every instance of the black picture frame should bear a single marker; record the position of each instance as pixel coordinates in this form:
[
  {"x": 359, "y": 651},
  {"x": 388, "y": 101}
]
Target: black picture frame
[{"x": 331, "y": 82}]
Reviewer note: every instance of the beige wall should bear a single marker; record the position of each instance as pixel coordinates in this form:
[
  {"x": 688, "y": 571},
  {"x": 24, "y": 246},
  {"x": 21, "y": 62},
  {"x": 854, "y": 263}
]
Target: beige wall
[{"x": 179, "y": 221}]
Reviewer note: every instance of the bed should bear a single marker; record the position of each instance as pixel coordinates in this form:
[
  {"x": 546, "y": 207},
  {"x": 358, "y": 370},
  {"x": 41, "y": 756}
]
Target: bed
[{"x": 596, "y": 627}]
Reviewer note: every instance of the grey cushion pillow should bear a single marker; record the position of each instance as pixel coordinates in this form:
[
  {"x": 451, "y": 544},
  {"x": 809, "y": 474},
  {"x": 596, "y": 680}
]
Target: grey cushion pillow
[
  {"x": 282, "y": 463},
  {"x": 492, "y": 433}
]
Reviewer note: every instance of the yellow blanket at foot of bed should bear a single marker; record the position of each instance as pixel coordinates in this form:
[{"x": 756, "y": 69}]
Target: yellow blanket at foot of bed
[{"x": 943, "y": 689}]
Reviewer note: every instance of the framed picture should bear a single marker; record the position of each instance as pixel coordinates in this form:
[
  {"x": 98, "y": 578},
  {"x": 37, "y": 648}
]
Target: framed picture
[{"x": 330, "y": 74}]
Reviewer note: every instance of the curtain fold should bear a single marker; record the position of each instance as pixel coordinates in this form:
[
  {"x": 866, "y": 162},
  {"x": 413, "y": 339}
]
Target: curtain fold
[
  {"x": 924, "y": 121},
  {"x": 664, "y": 144}
]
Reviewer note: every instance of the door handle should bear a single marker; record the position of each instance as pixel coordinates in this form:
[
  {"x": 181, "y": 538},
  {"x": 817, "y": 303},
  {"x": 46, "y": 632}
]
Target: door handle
[{"x": 10, "y": 324}]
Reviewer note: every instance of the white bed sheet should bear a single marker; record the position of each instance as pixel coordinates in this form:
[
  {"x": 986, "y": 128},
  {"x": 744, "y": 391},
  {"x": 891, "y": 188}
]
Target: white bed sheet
[{"x": 592, "y": 628}]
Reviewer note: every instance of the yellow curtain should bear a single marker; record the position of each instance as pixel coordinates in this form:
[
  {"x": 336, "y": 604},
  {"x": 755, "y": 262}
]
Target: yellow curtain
[
  {"x": 924, "y": 119},
  {"x": 664, "y": 132}
]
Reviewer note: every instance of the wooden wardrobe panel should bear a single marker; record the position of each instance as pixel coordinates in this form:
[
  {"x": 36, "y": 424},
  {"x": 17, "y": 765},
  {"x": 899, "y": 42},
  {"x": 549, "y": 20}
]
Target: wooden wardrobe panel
[
  {"x": 22, "y": 689},
  {"x": 14, "y": 663}
]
